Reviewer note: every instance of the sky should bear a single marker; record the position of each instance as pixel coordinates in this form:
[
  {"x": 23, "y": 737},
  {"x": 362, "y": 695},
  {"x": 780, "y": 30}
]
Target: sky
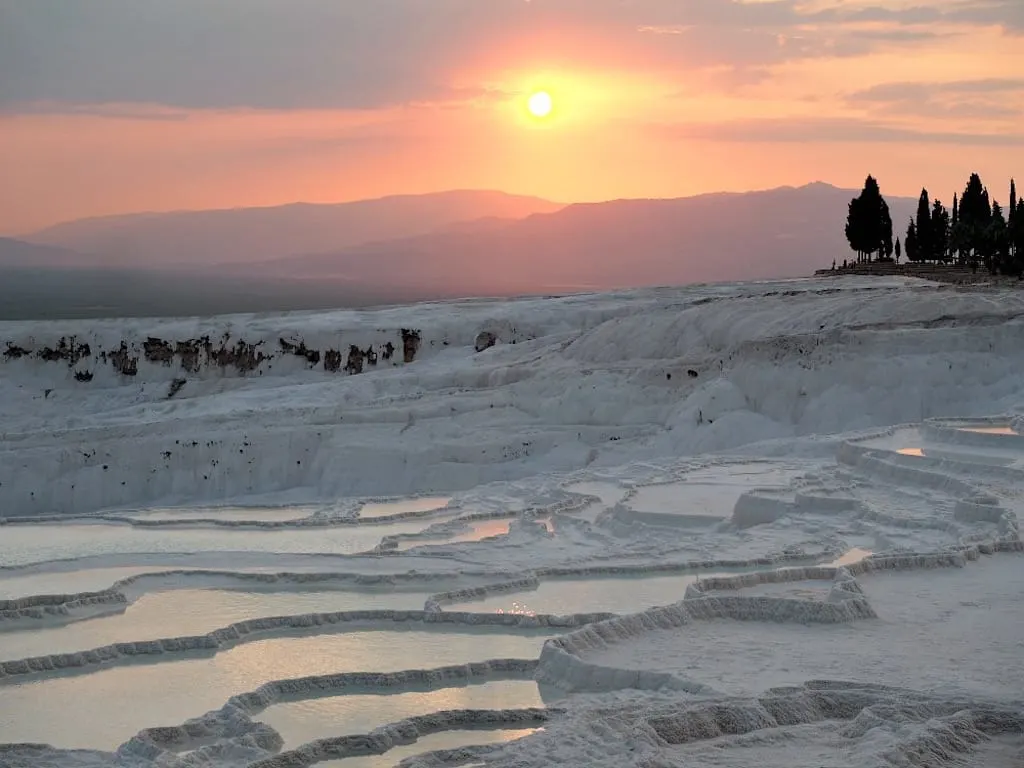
[{"x": 114, "y": 106}]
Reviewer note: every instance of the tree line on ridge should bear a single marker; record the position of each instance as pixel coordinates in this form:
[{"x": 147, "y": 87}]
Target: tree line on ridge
[{"x": 975, "y": 233}]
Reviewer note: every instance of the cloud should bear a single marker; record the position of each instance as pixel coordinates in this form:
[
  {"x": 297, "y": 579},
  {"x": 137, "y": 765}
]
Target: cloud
[
  {"x": 898, "y": 35},
  {"x": 367, "y": 54},
  {"x": 1008, "y": 14},
  {"x": 923, "y": 90},
  {"x": 224, "y": 54},
  {"x": 992, "y": 98},
  {"x": 134, "y": 111},
  {"x": 828, "y": 130}
]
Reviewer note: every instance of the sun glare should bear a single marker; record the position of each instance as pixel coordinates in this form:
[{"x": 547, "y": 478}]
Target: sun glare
[{"x": 540, "y": 104}]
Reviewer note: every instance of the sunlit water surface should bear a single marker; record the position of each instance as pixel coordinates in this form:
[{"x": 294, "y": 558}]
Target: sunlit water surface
[
  {"x": 430, "y": 743},
  {"x": 189, "y": 612},
  {"x": 301, "y": 721},
  {"x": 21, "y": 544},
  {"x": 103, "y": 709}
]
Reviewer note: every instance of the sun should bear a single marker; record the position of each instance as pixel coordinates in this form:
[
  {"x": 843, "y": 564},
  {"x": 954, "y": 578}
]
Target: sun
[{"x": 540, "y": 104}]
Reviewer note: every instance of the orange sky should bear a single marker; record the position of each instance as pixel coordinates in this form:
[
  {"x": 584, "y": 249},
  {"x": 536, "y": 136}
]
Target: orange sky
[{"x": 650, "y": 102}]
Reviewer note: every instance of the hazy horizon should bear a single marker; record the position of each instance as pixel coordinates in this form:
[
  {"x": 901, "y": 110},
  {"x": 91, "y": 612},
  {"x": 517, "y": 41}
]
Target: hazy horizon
[
  {"x": 431, "y": 247},
  {"x": 153, "y": 212},
  {"x": 111, "y": 107}
]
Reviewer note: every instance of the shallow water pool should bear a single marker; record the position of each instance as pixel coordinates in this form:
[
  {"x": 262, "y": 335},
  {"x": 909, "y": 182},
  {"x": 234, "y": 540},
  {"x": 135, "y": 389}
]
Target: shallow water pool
[
  {"x": 478, "y": 530},
  {"x": 301, "y": 721},
  {"x": 990, "y": 430},
  {"x": 403, "y": 506},
  {"x": 243, "y": 514},
  {"x": 22, "y": 544},
  {"x": 73, "y": 582},
  {"x": 623, "y": 594},
  {"x": 430, "y": 743},
  {"x": 194, "y": 612},
  {"x": 104, "y": 709}
]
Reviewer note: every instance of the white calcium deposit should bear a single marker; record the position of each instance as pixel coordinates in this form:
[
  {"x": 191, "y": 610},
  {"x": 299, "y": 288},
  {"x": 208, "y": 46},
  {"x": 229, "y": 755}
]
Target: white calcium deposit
[{"x": 769, "y": 524}]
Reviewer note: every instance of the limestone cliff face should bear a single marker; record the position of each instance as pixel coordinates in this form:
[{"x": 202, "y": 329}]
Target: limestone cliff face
[{"x": 202, "y": 355}]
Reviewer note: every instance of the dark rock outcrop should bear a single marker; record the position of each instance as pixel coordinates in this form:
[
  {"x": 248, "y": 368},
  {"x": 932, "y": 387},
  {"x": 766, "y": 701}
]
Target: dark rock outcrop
[
  {"x": 158, "y": 351},
  {"x": 300, "y": 350},
  {"x": 485, "y": 340},
  {"x": 14, "y": 352},
  {"x": 123, "y": 361},
  {"x": 199, "y": 353},
  {"x": 355, "y": 360},
  {"x": 69, "y": 351},
  {"x": 410, "y": 344},
  {"x": 244, "y": 357},
  {"x": 332, "y": 361},
  {"x": 189, "y": 352}
]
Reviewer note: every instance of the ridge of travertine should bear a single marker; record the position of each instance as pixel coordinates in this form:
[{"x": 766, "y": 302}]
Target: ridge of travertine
[
  {"x": 222, "y": 729},
  {"x": 56, "y": 605},
  {"x": 955, "y": 557},
  {"x": 861, "y": 707},
  {"x": 917, "y": 728},
  {"x": 244, "y": 631},
  {"x": 407, "y": 731},
  {"x": 562, "y": 666},
  {"x": 83, "y": 662},
  {"x": 880, "y": 727},
  {"x": 359, "y": 580},
  {"x": 532, "y": 579},
  {"x": 572, "y": 503}
]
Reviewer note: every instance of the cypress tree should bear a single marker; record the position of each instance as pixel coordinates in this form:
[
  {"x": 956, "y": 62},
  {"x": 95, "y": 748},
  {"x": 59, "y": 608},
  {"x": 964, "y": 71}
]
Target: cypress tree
[
  {"x": 897, "y": 250},
  {"x": 1017, "y": 235},
  {"x": 910, "y": 242},
  {"x": 855, "y": 227},
  {"x": 938, "y": 232},
  {"x": 997, "y": 246},
  {"x": 885, "y": 229},
  {"x": 868, "y": 223},
  {"x": 1012, "y": 221},
  {"x": 925, "y": 241},
  {"x": 975, "y": 217},
  {"x": 957, "y": 237}
]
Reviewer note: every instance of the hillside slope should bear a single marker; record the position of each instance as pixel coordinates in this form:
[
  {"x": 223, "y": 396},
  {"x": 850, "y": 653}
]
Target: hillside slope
[
  {"x": 182, "y": 238},
  {"x": 785, "y": 232},
  {"x": 397, "y": 401}
]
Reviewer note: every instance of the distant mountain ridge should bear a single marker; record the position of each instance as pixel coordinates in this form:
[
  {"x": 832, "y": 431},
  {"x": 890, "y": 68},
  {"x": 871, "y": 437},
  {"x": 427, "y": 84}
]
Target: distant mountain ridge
[
  {"x": 783, "y": 232},
  {"x": 17, "y": 254},
  {"x": 236, "y": 235},
  {"x": 515, "y": 246}
]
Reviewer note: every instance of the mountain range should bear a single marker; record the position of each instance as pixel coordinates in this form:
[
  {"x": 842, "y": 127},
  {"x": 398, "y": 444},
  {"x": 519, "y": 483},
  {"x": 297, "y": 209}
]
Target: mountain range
[{"x": 417, "y": 247}]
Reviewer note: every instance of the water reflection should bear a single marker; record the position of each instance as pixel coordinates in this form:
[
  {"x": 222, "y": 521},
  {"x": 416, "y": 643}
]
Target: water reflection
[
  {"x": 299, "y": 722},
  {"x": 625, "y": 594},
  {"x": 990, "y": 430},
  {"x": 241, "y": 514},
  {"x": 403, "y": 506},
  {"x": 855, "y": 555},
  {"x": 431, "y": 743},
  {"x": 103, "y": 709},
  {"x": 195, "y": 612},
  {"x": 477, "y": 530},
  {"x": 23, "y": 544}
]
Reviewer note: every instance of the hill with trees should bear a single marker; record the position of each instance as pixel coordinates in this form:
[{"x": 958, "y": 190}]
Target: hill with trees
[{"x": 975, "y": 233}]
